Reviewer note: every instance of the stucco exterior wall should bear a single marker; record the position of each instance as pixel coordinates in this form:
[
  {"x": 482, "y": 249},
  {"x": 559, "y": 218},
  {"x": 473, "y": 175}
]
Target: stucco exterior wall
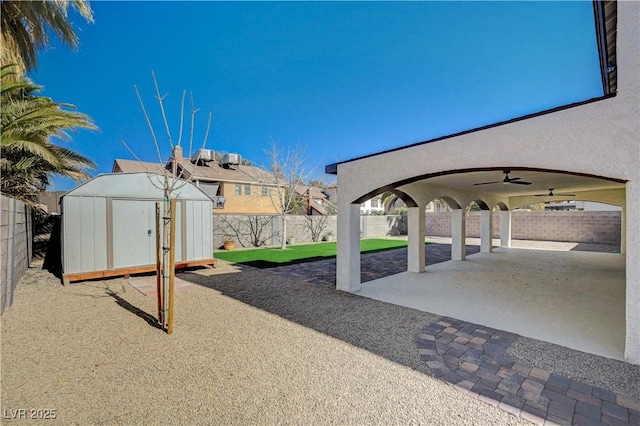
[{"x": 254, "y": 203}]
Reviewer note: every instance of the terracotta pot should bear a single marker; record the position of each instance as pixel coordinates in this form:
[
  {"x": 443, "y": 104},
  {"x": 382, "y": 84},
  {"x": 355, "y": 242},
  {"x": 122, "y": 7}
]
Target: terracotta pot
[{"x": 229, "y": 245}]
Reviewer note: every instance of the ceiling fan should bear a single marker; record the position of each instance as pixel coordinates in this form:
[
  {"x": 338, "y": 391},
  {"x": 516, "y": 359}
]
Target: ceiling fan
[
  {"x": 556, "y": 194},
  {"x": 507, "y": 180}
]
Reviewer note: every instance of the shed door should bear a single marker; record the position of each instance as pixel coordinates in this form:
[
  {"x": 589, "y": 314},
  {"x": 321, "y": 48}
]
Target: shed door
[{"x": 134, "y": 233}]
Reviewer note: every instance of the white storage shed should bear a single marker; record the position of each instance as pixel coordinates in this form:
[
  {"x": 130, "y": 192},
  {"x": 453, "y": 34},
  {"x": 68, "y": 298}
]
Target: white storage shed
[{"x": 109, "y": 226}]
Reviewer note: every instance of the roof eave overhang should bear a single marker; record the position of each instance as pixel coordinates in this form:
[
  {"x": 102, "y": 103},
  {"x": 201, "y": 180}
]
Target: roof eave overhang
[
  {"x": 332, "y": 169},
  {"x": 605, "y": 14}
]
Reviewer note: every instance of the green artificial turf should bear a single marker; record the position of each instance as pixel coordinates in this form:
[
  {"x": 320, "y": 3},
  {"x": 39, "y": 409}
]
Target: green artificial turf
[{"x": 272, "y": 257}]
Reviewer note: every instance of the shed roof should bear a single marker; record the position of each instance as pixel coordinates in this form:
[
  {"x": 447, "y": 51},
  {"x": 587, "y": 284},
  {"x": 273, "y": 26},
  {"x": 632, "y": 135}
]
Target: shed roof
[{"x": 135, "y": 185}]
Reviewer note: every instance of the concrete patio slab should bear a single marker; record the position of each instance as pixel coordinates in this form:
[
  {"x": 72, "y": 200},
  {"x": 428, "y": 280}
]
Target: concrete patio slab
[{"x": 574, "y": 299}]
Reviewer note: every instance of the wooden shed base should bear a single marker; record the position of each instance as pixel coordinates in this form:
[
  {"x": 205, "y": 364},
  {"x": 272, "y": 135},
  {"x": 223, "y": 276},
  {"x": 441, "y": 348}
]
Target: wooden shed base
[{"x": 69, "y": 278}]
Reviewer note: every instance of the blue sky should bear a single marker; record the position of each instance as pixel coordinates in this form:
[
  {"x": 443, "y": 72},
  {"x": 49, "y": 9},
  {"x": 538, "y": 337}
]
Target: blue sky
[{"x": 343, "y": 79}]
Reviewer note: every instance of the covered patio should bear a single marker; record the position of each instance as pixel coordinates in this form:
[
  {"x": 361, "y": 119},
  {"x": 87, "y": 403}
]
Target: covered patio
[
  {"x": 586, "y": 151},
  {"x": 574, "y": 299}
]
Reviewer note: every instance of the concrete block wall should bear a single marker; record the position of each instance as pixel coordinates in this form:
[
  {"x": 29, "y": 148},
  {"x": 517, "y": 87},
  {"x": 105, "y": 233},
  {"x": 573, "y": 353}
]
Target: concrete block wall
[
  {"x": 383, "y": 226},
  {"x": 570, "y": 226},
  {"x": 438, "y": 224},
  {"x": 297, "y": 227},
  {"x": 473, "y": 225},
  {"x": 16, "y": 243},
  {"x": 240, "y": 229}
]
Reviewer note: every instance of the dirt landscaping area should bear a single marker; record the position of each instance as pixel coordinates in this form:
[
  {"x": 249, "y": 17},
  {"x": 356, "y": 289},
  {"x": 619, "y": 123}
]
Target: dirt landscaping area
[{"x": 248, "y": 348}]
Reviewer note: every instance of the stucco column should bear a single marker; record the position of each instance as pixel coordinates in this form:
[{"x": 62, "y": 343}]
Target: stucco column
[
  {"x": 505, "y": 229},
  {"x": 486, "y": 231},
  {"x": 416, "y": 230},
  {"x": 458, "y": 234},
  {"x": 348, "y": 258}
]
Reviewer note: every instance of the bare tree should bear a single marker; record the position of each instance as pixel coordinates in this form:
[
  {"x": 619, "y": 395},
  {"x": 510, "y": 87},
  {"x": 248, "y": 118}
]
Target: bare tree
[
  {"x": 253, "y": 229},
  {"x": 289, "y": 169},
  {"x": 169, "y": 182},
  {"x": 316, "y": 225}
]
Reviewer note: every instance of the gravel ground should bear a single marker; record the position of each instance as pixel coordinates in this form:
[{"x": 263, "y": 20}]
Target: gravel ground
[
  {"x": 618, "y": 376},
  {"x": 248, "y": 348}
]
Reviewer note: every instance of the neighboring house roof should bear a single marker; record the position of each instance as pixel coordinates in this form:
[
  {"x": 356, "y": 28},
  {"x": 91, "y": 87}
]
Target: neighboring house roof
[
  {"x": 210, "y": 173},
  {"x": 320, "y": 209},
  {"x": 239, "y": 173},
  {"x": 316, "y": 197},
  {"x": 331, "y": 192},
  {"x": 313, "y": 192}
]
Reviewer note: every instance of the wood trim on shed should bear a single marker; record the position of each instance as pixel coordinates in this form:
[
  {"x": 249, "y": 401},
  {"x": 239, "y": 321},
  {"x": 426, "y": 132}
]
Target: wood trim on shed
[{"x": 68, "y": 278}]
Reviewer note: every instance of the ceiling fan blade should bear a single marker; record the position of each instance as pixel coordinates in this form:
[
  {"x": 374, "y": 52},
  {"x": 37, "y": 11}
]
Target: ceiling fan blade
[
  {"x": 513, "y": 179},
  {"x": 487, "y": 183},
  {"x": 556, "y": 194},
  {"x": 520, "y": 182}
]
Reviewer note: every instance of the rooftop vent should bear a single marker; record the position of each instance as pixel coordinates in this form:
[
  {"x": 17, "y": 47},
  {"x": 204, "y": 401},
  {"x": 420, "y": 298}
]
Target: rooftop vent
[
  {"x": 204, "y": 155},
  {"x": 230, "y": 160}
]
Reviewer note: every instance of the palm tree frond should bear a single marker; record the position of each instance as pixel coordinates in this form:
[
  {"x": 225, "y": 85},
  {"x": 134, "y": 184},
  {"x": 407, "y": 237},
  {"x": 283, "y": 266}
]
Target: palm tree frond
[
  {"x": 26, "y": 26},
  {"x": 29, "y": 123}
]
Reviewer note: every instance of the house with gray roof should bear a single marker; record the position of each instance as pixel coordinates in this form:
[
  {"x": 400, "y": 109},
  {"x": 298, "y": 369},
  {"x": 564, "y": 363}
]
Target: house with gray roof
[{"x": 234, "y": 187}]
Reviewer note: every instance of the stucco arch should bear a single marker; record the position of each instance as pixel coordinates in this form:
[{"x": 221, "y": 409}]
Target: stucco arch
[
  {"x": 480, "y": 203},
  {"x": 451, "y": 202},
  {"x": 500, "y": 206},
  {"x": 424, "y": 191},
  {"x": 422, "y": 187},
  {"x": 415, "y": 172},
  {"x": 406, "y": 198}
]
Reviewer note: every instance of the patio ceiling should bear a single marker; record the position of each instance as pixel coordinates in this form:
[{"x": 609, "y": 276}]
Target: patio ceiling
[{"x": 541, "y": 182}]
